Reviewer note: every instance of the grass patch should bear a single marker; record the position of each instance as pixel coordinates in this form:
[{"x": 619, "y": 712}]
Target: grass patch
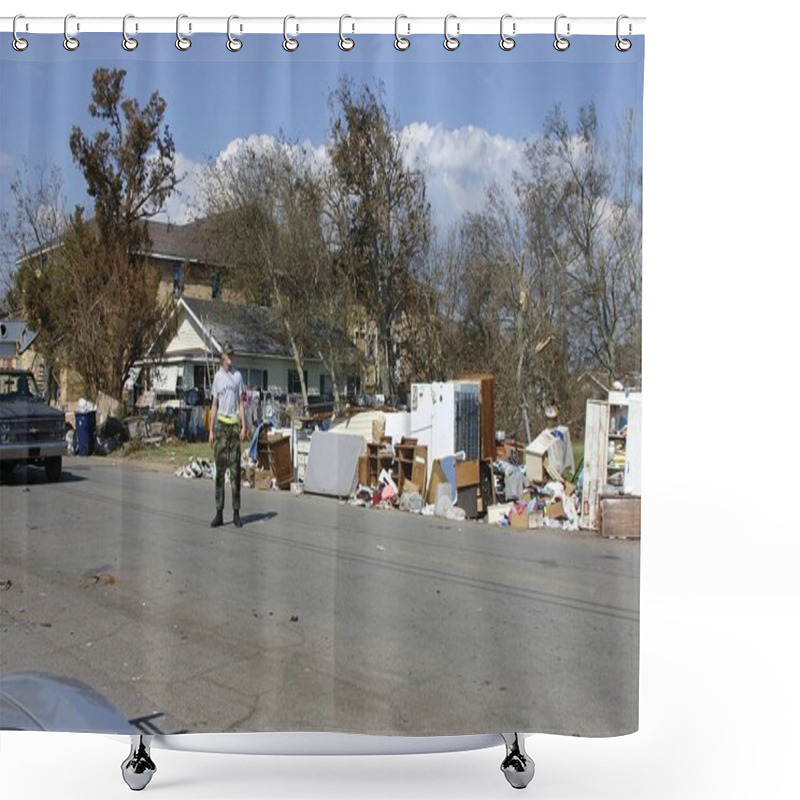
[{"x": 173, "y": 451}]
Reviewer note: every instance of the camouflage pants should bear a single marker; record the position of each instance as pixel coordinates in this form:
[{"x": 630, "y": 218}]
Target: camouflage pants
[{"x": 228, "y": 455}]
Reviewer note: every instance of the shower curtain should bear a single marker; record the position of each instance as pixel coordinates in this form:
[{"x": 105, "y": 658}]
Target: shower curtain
[{"x": 380, "y": 300}]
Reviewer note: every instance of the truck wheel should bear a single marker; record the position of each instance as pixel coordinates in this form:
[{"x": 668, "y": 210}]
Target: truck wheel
[{"x": 52, "y": 468}]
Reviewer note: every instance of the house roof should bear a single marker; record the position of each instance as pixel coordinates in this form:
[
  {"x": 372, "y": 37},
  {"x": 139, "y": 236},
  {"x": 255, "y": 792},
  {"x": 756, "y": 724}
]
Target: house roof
[
  {"x": 191, "y": 242},
  {"x": 252, "y": 330}
]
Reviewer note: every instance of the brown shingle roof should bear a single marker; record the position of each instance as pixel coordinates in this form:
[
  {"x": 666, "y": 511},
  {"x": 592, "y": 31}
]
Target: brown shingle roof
[{"x": 190, "y": 242}]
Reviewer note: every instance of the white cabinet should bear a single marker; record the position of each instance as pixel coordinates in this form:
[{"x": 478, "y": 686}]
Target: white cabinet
[{"x": 612, "y": 455}]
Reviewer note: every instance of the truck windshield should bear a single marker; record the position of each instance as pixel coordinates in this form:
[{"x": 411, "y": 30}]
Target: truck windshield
[{"x": 17, "y": 384}]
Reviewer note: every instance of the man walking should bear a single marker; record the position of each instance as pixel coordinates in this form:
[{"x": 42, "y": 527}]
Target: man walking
[{"x": 227, "y": 433}]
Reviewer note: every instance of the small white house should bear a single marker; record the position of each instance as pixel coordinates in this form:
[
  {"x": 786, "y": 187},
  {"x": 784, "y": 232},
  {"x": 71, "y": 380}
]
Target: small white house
[{"x": 199, "y": 328}]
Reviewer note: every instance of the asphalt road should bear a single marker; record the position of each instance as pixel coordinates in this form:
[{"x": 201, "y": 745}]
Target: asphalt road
[{"x": 315, "y": 615}]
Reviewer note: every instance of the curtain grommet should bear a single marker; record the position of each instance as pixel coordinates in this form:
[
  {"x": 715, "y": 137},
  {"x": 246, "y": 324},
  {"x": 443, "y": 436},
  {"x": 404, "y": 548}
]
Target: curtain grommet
[
  {"x": 345, "y": 42},
  {"x": 233, "y": 44},
  {"x": 401, "y": 43},
  {"x": 290, "y": 44},
  {"x": 70, "y": 42},
  {"x": 507, "y": 43},
  {"x": 181, "y": 42},
  {"x": 18, "y": 43},
  {"x": 129, "y": 43},
  {"x": 561, "y": 44},
  {"x": 451, "y": 43},
  {"x": 622, "y": 44}
]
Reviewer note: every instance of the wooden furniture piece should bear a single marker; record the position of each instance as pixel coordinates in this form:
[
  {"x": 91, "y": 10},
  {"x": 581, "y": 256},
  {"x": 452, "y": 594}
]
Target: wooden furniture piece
[
  {"x": 380, "y": 456},
  {"x": 612, "y": 452},
  {"x": 412, "y": 464},
  {"x": 275, "y": 456}
]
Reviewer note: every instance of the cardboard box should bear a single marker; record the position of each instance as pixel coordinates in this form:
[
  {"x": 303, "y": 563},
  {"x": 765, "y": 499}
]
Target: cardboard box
[
  {"x": 519, "y": 521},
  {"x": 554, "y": 510},
  {"x": 263, "y": 479},
  {"x": 437, "y": 477},
  {"x": 621, "y": 517},
  {"x": 409, "y": 487}
]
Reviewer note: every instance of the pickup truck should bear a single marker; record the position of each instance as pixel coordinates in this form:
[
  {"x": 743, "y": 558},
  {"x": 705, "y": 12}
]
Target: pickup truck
[{"x": 31, "y": 431}]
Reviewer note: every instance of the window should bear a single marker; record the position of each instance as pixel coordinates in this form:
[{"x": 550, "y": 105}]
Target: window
[
  {"x": 254, "y": 378},
  {"x": 216, "y": 287},
  {"x": 353, "y": 386},
  {"x": 177, "y": 280},
  {"x": 295, "y": 386},
  {"x": 325, "y": 385},
  {"x": 200, "y": 377}
]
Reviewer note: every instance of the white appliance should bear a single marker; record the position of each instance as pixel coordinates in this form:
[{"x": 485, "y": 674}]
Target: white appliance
[{"x": 446, "y": 418}]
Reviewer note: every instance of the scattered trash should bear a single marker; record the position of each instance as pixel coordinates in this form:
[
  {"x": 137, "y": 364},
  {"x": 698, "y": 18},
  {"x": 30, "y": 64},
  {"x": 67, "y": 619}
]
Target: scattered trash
[{"x": 197, "y": 468}]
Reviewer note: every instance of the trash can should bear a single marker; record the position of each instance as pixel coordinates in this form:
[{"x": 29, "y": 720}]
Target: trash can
[{"x": 84, "y": 432}]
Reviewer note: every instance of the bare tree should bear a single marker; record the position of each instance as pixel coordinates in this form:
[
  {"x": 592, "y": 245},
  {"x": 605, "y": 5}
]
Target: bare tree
[
  {"x": 598, "y": 218},
  {"x": 381, "y": 215},
  {"x": 265, "y": 204},
  {"x": 33, "y": 225}
]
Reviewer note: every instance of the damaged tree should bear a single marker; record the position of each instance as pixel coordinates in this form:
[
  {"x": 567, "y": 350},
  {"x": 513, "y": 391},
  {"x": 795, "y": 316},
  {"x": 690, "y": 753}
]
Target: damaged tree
[
  {"x": 381, "y": 217},
  {"x": 95, "y": 301},
  {"x": 264, "y": 204},
  {"x": 594, "y": 192}
]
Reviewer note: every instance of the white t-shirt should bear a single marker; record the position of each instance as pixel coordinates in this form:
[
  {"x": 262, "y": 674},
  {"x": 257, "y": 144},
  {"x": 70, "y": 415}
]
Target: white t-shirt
[{"x": 227, "y": 389}]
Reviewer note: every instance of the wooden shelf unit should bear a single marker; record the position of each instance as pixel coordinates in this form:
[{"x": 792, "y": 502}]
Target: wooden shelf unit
[{"x": 380, "y": 456}]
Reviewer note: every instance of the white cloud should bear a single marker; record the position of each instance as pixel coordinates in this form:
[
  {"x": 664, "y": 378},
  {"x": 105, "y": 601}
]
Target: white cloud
[
  {"x": 5, "y": 160},
  {"x": 179, "y": 207},
  {"x": 459, "y": 166}
]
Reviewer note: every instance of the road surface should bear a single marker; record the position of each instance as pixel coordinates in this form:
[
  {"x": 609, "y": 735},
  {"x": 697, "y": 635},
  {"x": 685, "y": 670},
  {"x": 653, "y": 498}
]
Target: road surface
[{"x": 315, "y": 615}]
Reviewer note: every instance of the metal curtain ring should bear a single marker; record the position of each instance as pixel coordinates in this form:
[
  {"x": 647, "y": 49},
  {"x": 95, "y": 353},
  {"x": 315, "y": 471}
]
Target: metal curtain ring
[
  {"x": 345, "y": 43},
  {"x": 233, "y": 44},
  {"x": 623, "y": 45},
  {"x": 128, "y": 42},
  {"x": 289, "y": 44},
  {"x": 561, "y": 43},
  {"x": 400, "y": 42},
  {"x": 506, "y": 42},
  {"x": 70, "y": 42},
  {"x": 182, "y": 43},
  {"x": 450, "y": 42},
  {"x": 19, "y": 44}
]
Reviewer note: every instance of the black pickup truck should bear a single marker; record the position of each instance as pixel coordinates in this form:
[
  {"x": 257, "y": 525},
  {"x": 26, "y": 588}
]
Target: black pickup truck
[{"x": 31, "y": 431}]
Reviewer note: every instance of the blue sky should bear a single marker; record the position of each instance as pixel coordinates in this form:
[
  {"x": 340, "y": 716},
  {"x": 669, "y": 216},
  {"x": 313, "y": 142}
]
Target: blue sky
[{"x": 465, "y": 114}]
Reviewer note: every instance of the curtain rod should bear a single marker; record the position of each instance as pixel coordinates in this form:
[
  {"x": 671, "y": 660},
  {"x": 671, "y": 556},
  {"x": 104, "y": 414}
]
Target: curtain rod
[{"x": 457, "y": 26}]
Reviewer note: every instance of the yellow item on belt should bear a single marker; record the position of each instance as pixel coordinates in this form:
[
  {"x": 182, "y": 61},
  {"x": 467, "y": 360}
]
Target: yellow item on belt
[{"x": 226, "y": 420}]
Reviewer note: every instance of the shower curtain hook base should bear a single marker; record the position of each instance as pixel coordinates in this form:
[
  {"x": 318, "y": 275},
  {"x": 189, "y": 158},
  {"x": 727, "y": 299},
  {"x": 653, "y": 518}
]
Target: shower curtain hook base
[
  {"x": 517, "y": 766},
  {"x": 138, "y": 768}
]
